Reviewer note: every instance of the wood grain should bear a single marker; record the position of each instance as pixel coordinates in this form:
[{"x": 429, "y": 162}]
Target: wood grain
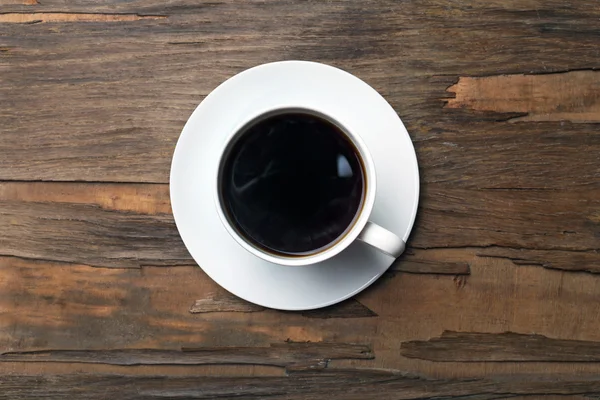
[
  {"x": 102, "y": 238},
  {"x": 34, "y": 18},
  {"x": 226, "y": 302},
  {"x": 46, "y": 306},
  {"x": 431, "y": 266},
  {"x": 501, "y": 101},
  {"x": 116, "y": 225},
  {"x": 496, "y": 297},
  {"x": 123, "y": 103},
  {"x": 135, "y": 198},
  {"x": 223, "y": 302},
  {"x": 478, "y": 152},
  {"x": 509, "y": 346},
  {"x": 573, "y": 96},
  {"x": 443, "y": 261},
  {"x": 57, "y": 306},
  {"x": 288, "y": 354},
  {"x": 347, "y": 385},
  {"x": 530, "y": 219},
  {"x": 584, "y": 261}
]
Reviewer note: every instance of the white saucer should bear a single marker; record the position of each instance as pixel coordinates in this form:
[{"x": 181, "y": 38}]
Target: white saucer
[{"x": 195, "y": 163}]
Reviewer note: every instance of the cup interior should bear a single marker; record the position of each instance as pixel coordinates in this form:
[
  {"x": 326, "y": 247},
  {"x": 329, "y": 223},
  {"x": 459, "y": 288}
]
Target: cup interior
[{"x": 292, "y": 183}]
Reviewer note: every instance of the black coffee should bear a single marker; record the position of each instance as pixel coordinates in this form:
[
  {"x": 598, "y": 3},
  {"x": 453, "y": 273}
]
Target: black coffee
[{"x": 292, "y": 183}]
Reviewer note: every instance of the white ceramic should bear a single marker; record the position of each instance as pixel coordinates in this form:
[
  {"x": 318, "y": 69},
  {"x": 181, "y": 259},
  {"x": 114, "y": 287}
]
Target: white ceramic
[
  {"x": 370, "y": 233},
  {"x": 335, "y": 93}
]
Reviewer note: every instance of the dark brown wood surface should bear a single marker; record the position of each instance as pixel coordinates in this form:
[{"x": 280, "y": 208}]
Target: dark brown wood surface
[{"x": 496, "y": 297}]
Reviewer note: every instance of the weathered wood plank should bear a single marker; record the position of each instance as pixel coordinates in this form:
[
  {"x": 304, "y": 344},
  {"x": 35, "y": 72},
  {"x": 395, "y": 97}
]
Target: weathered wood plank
[
  {"x": 56, "y": 306},
  {"x": 546, "y": 24},
  {"x": 109, "y": 225},
  {"x": 135, "y": 198},
  {"x": 508, "y": 346},
  {"x": 60, "y": 306},
  {"x": 288, "y": 354},
  {"x": 572, "y": 96},
  {"x": 496, "y": 297},
  {"x": 347, "y": 385},
  {"x": 89, "y": 235},
  {"x": 110, "y": 124},
  {"x": 531, "y": 219},
  {"x": 466, "y": 153},
  {"x": 123, "y": 225},
  {"x": 62, "y": 368}
]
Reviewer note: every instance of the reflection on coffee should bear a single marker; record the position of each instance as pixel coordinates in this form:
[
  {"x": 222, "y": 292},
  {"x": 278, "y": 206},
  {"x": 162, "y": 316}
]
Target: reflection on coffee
[{"x": 292, "y": 183}]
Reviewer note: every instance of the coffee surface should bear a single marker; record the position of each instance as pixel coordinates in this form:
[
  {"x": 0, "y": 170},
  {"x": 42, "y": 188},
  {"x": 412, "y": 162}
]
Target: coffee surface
[{"x": 292, "y": 184}]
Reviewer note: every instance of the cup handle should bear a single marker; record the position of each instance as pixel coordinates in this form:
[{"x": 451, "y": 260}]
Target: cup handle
[{"x": 382, "y": 239}]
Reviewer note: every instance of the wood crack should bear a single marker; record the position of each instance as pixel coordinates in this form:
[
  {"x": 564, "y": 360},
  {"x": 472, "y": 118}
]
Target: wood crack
[
  {"x": 565, "y": 260},
  {"x": 127, "y": 263},
  {"x": 558, "y": 72},
  {"x": 475, "y": 247},
  {"x": 414, "y": 265},
  {"x": 513, "y": 72},
  {"x": 525, "y": 189}
]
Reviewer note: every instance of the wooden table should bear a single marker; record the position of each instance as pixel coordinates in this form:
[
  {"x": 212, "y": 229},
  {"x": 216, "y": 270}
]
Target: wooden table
[{"x": 496, "y": 297}]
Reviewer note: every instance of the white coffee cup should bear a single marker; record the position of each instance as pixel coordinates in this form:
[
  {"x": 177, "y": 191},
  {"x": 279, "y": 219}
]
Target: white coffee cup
[{"x": 361, "y": 228}]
